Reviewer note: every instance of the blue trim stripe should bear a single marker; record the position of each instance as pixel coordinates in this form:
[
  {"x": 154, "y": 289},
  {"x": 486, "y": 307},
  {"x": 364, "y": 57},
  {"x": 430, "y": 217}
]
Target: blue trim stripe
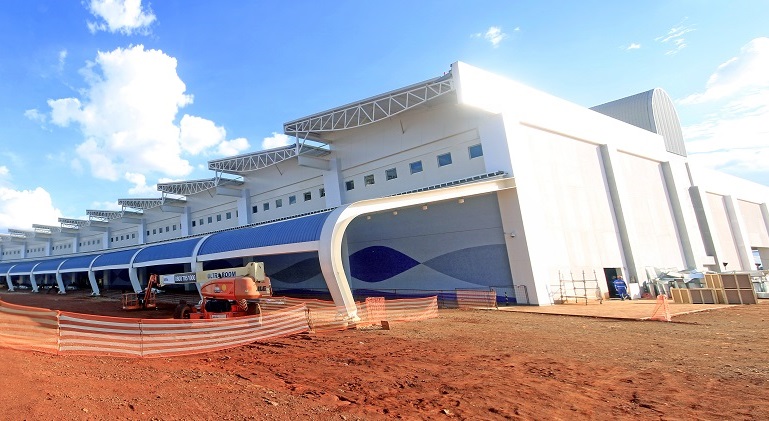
[
  {"x": 78, "y": 263},
  {"x": 116, "y": 258},
  {"x": 176, "y": 250},
  {"x": 23, "y": 267},
  {"x": 48, "y": 265},
  {"x": 291, "y": 231}
]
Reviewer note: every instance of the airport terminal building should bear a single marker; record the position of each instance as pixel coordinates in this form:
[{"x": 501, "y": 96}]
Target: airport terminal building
[{"x": 465, "y": 181}]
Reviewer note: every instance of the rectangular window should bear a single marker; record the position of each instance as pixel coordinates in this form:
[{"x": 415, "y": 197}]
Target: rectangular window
[
  {"x": 266, "y": 206},
  {"x": 322, "y": 192},
  {"x": 121, "y": 238},
  {"x": 154, "y": 231},
  {"x": 210, "y": 219},
  {"x": 307, "y": 196},
  {"x": 219, "y": 218},
  {"x": 132, "y": 236},
  {"x": 415, "y": 167},
  {"x": 291, "y": 200},
  {"x": 200, "y": 222},
  {"x": 228, "y": 215},
  {"x": 444, "y": 159},
  {"x": 173, "y": 227},
  {"x": 148, "y": 233},
  {"x": 278, "y": 203},
  {"x": 168, "y": 228},
  {"x": 349, "y": 185},
  {"x": 391, "y": 174},
  {"x": 194, "y": 223},
  {"x": 368, "y": 179},
  {"x": 475, "y": 151}
]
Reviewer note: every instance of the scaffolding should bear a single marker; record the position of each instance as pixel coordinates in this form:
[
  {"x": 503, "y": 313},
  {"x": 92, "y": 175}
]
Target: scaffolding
[{"x": 579, "y": 289}]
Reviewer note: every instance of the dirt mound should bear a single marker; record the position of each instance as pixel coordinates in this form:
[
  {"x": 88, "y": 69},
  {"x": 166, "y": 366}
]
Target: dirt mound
[{"x": 463, "y": 365}]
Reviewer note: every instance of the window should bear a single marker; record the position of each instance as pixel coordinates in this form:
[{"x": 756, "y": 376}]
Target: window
[
  {"x": 228, "y": 215},
  {"x": 210, "y": 219},
  {"x": 391, "y": 174},
  {"x": 266, "y": 206},
  {"x": 121, "y": 238},
  {"x": 322, "y": 192},
  {"x": 148, "y": 234},
  {"x": 307, "y": 196},
  {"x": 173, "y": 227},
  {"x": 291, "y": 200},
  {"x": 475, "y": 151},
  {"x": 200, "y": 222},
  {"x": 194, "y": 223},
  {"x": 154, "y": 231},
  {"x": 168, "y": 228},
  {"x": 219, "y": 218},
  {"x": 132, "y": 236},
  {"x": 415, "y": 167},
  {"x": 349, "y": 185},
  {"x": 368, "y": 179},
  {"x": 444, "y": 159},
  {"x": 278, "y": 203}
]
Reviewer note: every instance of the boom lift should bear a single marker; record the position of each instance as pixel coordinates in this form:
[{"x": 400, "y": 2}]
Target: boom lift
[
  {"x": 137, "y": 301},
  {"x": 228, "y": 293}
]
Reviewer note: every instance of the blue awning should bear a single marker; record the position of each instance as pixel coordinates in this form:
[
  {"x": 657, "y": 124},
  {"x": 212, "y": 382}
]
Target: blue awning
[
  {"x": 23, "y": 268},
  {"x": 114, "y": 260},
  {"x": 5, "y": 266},
  {"x": 77, "y": 264},
  {"x": 298, "y": 230},
  {"x": 168, "y": 253},
  {"x": 49, "y": 266}
]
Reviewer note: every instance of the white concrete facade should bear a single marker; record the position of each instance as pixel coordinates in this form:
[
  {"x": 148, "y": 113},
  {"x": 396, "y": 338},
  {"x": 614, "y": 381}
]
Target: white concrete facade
[{"x": 586, "y": 193}]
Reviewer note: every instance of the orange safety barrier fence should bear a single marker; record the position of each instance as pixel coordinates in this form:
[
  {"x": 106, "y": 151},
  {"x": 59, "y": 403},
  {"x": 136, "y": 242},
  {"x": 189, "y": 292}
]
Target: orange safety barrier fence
[
  {"x": 84, "y": 334},
  {"x": 28, "y": 328},
  {"x": 474, "y": 298},
  {"x": 324, "y": 316}
]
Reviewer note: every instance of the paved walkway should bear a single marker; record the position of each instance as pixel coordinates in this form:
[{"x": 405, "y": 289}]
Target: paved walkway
[{"x": 614, "y": 309}]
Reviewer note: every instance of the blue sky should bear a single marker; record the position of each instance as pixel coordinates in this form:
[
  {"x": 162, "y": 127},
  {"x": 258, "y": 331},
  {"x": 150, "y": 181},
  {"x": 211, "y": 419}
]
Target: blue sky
[{"x": 103, "y": 99}]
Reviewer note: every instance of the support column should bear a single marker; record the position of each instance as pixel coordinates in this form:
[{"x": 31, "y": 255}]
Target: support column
[
  {"x": 60, "y": 283},
  {"x": 94, "y": 286},
  {"x": 682, "y": 230},
  {"x": 33, "y": 281},
  {"x": 185, "y": 220},
  {"x": 244, "y": 207},
  {"x": 707, "y": 227},
  {"x": 739, "y": 233},
  {"x": 622, "y": 212},
  {"x": 332, "y": 183},
  {"x": 9, "y": 282}
]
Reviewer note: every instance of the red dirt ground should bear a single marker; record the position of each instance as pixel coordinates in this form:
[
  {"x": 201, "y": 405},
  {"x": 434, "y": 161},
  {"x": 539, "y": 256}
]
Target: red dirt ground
[{"x": 463, "y": 365}]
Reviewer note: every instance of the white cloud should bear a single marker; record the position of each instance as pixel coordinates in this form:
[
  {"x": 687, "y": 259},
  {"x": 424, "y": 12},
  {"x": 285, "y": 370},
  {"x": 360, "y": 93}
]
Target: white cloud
[
  {"x": 733, "y": 136},
  {"x": 633, "y": 46},
  {"x": 198, "y": 134},
  {"x": 3, "y": 170},
  {"x": 126, "y": 16},
  {"x": 675, "y": 36},
  {"x": 127, "y": 117},
  {"x": 107, "y": 206},
  {"x": 748, "y": 70},
  {"x": 276, "y": 140},
  {"x": 233, "y": 147},
  {"x": 62, "y": 59},
  {"x": 35, "y": 116},
  {"x": 22, "y": 208},
  {"x": 494, "y": 35},
  {"x": 140, "y": 187}
]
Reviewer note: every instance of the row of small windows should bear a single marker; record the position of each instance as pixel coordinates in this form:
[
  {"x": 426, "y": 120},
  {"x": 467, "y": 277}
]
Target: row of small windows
[
  {"x": 474, "y": 151},
  {"x": 8, "y": 253},
  {"x": 90, "y": 242},
  {"x": 123, "y": 237},
  {"x": 307, "y": 196},
  {"x": 210, "y": 219}
]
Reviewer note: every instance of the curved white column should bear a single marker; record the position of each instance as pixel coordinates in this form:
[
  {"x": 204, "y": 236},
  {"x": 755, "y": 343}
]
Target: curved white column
[{"x": 332, "y": 234}]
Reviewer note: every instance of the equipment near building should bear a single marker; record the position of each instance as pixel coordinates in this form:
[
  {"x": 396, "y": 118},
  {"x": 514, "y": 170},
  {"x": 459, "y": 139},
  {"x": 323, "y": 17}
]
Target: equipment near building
[
  {"x": 145, "y": 300},
  {"x": 235, "y": 294}
]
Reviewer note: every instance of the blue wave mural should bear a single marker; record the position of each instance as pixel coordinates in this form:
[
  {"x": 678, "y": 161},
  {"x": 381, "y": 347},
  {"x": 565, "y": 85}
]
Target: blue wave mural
[
  {"x": 298, "y": 272},
  {"x": 377, "y": 263}
]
